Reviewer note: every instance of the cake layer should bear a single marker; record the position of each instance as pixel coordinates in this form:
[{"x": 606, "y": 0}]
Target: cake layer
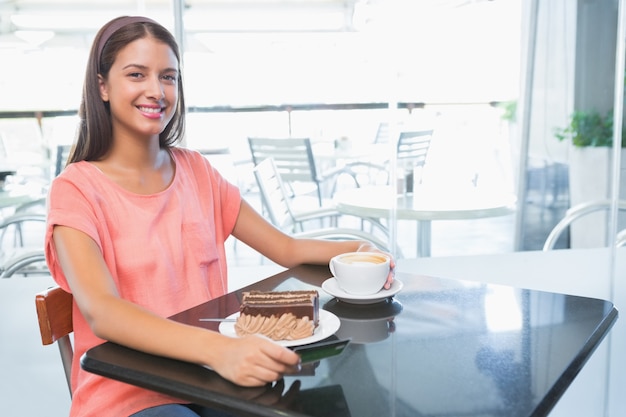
[{"x": 304, "y": 303}]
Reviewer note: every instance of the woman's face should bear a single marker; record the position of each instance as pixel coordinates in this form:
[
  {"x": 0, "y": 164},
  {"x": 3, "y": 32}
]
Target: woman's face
[{"x": 142, "y": 88}]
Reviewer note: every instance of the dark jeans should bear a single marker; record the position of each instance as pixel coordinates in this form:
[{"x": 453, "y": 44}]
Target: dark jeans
[{"x": 180, "y": 410}]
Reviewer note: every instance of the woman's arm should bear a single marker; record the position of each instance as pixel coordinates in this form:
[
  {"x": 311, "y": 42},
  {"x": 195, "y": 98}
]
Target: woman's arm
[
  {"x": 253, "y": 230},
  {"x": 246, "y": 361}
]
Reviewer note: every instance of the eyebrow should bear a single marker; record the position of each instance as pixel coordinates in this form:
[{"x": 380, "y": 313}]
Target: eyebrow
[{"x": 143, "y": 67}]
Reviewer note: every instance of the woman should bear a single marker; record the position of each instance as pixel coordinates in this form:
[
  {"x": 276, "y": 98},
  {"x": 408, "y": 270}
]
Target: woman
[{"x": 136, "y": 228}]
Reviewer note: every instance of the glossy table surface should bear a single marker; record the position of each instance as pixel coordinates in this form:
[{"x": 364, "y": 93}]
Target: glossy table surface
[{"x": 440, "y": 347}]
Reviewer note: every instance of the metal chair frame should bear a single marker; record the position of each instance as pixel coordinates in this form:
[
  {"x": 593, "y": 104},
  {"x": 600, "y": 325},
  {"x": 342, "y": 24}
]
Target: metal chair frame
[
  {"x": 581, "y": 210},
  {"x": 19, "y": 258},
  {"x": 412, "y": 149},
  {"x": 295, "y": 161},
  {"x": 281, "y": 214}
]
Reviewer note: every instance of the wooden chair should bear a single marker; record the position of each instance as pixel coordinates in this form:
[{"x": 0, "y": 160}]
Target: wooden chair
[{"x": 54, "y": 311}]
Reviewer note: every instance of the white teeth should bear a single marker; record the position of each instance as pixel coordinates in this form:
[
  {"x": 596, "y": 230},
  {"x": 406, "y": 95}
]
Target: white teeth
[{"x": 150, "y": 109}]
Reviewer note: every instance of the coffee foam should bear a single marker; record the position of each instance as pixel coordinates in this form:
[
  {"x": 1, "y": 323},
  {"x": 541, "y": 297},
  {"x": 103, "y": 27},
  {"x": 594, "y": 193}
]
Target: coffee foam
[{"x": 356, "y": 259}]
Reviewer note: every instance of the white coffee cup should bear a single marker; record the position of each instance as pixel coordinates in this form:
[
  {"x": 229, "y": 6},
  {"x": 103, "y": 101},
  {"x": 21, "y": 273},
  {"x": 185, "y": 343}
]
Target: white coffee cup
[{"x": 360, "y": 273}]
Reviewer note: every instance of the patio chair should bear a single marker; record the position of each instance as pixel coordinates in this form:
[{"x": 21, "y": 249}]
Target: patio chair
[
  {"x": 281, "y": 215},
  {"x": 54, "y": 313},
  {"x": 382, "y": 133},
  {"x": 581, "y": 210},
  {"x": 294, "y": 159},
  {"x": 412, "y": 149},
  {"x": 19, "y": 258},
  {"x": 27, "y": 262}
]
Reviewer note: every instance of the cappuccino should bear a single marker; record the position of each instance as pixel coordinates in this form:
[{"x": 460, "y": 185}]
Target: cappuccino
[
  {"x": 360, "y": 273},
  {"x": 356, "y": 258}
]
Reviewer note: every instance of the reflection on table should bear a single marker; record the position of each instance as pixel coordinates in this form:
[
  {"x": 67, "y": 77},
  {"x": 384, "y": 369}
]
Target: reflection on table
[
  {"x": 457, "y": 348},
  {"x": 425, "y": 204}
]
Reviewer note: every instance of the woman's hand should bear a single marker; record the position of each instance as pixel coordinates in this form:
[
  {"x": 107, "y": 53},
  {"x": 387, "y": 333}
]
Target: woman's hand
[
  {"x": 254, "y": 361},
  {"x": 370, "y": 247}
]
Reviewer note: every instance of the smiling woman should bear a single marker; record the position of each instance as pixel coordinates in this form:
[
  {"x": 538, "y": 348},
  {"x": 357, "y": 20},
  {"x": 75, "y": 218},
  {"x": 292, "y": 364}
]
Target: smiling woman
[{"x": 136, "y": 227}]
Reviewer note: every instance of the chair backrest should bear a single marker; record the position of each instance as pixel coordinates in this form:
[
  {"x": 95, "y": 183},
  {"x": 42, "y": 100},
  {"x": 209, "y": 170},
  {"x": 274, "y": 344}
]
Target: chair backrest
[
  {"x": 21, "y": 216},
  {"x": 581, "y": 210},
  {"x": 382, "y": 133},
  {"x": 54, "y": 312},
  {"x": 24, "y": 261},
  {"x": 18, "y": 258},
  {"x": 413, "y": 147},
  {"x": 273, "y": 193},
  {"x": 293, "y": 158},
  {"x": 276, "y": 202}
]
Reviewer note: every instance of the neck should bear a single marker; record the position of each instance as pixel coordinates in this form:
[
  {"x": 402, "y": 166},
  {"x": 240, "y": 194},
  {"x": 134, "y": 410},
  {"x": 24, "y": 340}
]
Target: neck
[
  {"x": 143, "y": 169},
  {"x": 137, "y": 154}
]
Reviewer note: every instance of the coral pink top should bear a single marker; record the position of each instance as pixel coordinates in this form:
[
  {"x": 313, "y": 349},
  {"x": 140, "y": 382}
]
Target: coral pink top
[{"x": 165, "y": 252}]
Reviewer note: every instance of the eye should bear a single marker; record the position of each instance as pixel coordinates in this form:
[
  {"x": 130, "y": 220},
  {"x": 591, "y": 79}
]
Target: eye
[
  {"x": 172, "y": 78},
  {"x": 135, "y": 75}
]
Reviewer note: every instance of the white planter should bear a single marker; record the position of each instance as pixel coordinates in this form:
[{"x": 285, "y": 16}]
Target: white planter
[{"x": 590, "y": 179}]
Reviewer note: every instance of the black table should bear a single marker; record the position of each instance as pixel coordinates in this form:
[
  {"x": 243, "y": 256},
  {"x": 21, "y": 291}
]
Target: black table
[{"x": 440, "y": 347}]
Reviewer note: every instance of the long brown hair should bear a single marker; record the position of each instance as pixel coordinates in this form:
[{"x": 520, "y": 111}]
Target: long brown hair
[{"x": 95, "y": 137}]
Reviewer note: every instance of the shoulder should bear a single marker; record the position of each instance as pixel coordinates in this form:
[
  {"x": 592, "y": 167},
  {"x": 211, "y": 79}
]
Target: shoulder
[
  {"x": 192, "y": 162},
  {"x": 188, "y": 156},
  {"x": 83, "y": 181},
  {"x": 77, "y": 174}
]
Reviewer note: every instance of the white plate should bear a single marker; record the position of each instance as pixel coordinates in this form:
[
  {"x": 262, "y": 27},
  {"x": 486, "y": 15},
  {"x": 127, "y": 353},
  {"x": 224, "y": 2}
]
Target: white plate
[
  {"x": 332, "y": 288},
  {"x": 328, "y": 325}
]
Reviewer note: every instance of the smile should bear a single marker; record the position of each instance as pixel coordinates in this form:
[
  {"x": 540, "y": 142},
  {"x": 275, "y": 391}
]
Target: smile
[{"x": 153, "y": 110}]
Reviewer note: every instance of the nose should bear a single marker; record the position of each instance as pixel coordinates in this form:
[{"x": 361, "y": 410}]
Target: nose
[{"x": 155, "y": 88}]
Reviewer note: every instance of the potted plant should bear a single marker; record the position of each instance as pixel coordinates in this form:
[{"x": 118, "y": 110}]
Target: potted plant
[
  {"x": 589, "y": 129},
  {"x": 590, "y": 135}
]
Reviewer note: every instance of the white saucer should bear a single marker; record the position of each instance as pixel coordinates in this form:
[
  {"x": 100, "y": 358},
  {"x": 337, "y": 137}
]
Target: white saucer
[
  {"x": 328, "y": 326},
  {"x": 332, "y": 288}
]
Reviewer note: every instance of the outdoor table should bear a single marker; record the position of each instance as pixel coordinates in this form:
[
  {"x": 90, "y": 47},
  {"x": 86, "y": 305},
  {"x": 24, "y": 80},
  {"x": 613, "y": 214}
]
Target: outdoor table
[{"x": 424, "y": 205}]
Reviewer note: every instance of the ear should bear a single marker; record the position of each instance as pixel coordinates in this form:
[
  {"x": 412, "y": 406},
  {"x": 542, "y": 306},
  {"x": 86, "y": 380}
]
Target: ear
[{"x": 102, "y": 86}]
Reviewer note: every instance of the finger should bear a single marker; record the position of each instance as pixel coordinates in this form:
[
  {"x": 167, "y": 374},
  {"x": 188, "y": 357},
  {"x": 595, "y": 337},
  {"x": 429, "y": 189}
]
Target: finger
[
  {"x": 390, "y": 278},
  {"x": 274, "y": 361},
  {"x": 280, "y": 354}
]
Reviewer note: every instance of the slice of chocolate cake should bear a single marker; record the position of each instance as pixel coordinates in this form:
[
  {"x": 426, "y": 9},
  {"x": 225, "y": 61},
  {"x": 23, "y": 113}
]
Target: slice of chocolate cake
[{"x": 280, "y": 315}]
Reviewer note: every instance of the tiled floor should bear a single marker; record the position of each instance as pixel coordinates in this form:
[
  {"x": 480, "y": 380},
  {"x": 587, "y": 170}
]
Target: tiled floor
[{"x": 32, "y": 381}]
